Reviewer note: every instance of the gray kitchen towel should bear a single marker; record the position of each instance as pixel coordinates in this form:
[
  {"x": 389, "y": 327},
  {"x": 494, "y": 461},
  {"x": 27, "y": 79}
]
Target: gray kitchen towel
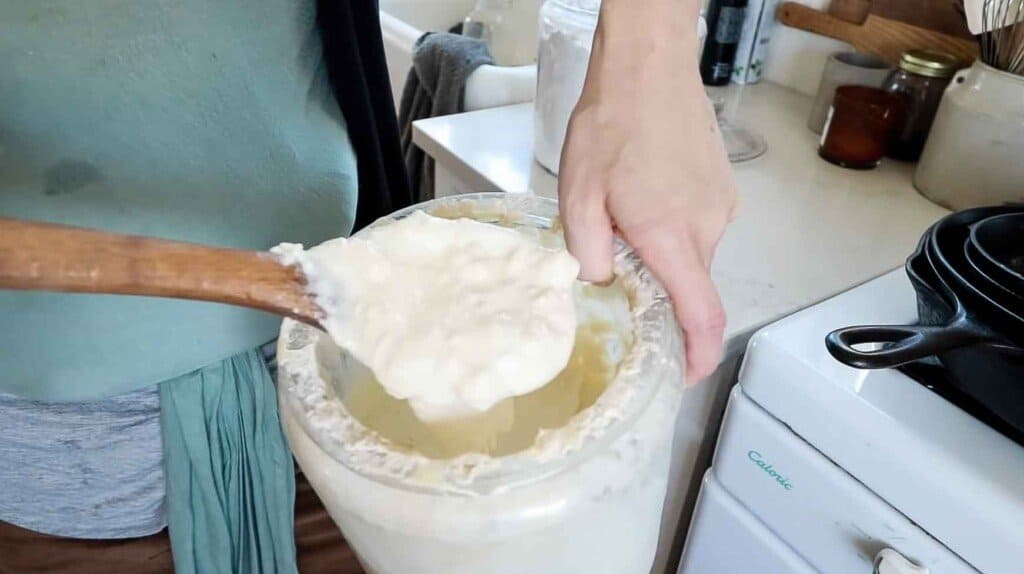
[{"x": 441, "y": 62}]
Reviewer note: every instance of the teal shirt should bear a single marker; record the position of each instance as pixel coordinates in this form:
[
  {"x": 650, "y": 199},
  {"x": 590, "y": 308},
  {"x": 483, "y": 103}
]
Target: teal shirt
[{"x": 202, "y": 121}]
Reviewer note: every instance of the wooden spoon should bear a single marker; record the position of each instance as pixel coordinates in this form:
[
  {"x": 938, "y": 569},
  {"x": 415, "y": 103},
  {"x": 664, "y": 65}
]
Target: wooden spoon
[{"x": 51, "y": 257}]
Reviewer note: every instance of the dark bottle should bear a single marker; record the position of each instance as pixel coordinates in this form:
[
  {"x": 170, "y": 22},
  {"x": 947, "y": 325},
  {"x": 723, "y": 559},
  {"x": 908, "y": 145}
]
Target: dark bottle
[
  {"x": 920, "y": 80},
  {"x": 725, "y": 24}
]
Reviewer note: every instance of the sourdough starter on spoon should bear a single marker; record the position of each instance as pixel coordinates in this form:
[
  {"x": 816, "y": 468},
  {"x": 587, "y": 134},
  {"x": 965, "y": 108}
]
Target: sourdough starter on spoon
[{"x": 452, "y": 315}]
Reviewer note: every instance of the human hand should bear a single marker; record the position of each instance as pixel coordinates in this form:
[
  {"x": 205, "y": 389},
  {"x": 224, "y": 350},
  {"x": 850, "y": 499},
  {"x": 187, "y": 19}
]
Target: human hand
[{"x": 644, "y": 156}]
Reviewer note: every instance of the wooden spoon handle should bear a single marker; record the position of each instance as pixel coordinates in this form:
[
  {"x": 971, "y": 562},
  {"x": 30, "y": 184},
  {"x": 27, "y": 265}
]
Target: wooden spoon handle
[{"x": 51, "y": 257}]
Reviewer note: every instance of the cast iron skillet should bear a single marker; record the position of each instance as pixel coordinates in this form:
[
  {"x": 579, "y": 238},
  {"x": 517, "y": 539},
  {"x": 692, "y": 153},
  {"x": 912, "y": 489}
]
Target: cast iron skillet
[
  {"x": 944, "y": 324},
  {"x": 953, "y": 311},
  {"x": 996, "y": 248},
  {"x": 986, "y": 273},
  {"x": 976, "y": 339},
  {"x": 945, "y": 251}
]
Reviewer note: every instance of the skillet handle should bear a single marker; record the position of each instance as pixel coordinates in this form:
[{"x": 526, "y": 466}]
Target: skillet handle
[{"x": 907, "y": 343}]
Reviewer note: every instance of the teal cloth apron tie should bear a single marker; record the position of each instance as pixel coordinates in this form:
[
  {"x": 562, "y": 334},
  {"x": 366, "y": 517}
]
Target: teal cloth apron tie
[{"x": 230, "y": 477}]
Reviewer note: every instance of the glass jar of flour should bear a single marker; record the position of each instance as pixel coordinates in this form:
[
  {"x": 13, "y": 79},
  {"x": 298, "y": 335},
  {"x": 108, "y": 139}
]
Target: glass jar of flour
[
  {"x": 566, "y": 35},
  {"x": 570, "y": 478}
]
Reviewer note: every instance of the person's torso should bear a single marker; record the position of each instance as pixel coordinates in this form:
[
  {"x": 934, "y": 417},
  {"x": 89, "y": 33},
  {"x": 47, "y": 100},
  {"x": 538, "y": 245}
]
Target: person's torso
[
  {"x": 202, "y": 121},
  {"x": 83, "y": 470}
]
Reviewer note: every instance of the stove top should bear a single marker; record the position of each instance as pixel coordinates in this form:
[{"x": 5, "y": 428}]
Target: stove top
[
  {"x": 904, "y": 434},
  {"x": 932, "y": 375}
]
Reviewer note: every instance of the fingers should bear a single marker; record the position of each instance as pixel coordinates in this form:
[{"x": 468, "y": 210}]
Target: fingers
[
  {"x": 589, "y": 235},
  {"x": 700, "y": 313},
  {"x": 684, "y": 274}
]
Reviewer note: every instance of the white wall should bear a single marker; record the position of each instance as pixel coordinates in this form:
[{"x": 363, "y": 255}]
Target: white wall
[
  {"x": 797, "y": 58},
  {"x": 429, "y": 15}
]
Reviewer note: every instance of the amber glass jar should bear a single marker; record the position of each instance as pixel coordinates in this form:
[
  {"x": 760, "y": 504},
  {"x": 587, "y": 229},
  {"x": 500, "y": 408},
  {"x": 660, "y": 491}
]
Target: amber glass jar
[
  {"x": 859, "y": 126},
  {"x": 920, "y": 80}
]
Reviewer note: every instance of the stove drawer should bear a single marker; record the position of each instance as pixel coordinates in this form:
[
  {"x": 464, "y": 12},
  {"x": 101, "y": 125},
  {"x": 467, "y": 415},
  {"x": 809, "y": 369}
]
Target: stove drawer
[
  {"x": 829, "y": 518},
  {"x": 725, "y": 538}
]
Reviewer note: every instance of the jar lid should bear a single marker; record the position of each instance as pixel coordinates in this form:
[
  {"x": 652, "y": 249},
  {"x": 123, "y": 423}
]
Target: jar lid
[{"x": 931, "y": 63}]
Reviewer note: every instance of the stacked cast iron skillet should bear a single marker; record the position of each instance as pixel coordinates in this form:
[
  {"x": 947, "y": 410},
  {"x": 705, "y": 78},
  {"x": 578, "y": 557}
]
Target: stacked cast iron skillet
[{"x": 968, "y": 272}]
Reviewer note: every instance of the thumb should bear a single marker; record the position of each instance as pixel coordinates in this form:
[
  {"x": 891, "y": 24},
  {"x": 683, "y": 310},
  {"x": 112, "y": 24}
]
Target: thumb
[{"x": 589, "y": 236}]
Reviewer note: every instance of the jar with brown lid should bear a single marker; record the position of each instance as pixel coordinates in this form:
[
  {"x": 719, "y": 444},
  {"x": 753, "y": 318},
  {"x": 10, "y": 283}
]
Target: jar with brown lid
[{"x": 920, "y": 80}]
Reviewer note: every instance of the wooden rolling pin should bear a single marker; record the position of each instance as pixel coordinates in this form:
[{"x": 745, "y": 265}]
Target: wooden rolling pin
[{"x": 50, "y": 257}]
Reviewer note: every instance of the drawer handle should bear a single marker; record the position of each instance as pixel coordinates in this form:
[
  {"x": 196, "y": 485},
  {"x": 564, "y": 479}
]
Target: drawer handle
[{"x": 889, "y": 561}]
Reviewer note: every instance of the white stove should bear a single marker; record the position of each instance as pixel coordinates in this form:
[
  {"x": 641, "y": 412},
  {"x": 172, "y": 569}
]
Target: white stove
[{"x": 824, "y": 468}]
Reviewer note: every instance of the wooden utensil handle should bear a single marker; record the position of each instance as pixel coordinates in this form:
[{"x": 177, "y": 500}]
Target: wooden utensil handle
[
  {"x": 51, "y": 257},
  {"x": 796, "y": 15},
  {"x": 852, "y": 11},
  {"x": 882, "y": 37}
]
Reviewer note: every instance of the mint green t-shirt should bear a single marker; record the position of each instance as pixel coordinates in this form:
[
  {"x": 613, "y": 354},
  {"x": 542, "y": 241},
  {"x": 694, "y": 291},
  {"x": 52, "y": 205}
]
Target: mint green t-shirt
[{"x": 202, "y": 121}]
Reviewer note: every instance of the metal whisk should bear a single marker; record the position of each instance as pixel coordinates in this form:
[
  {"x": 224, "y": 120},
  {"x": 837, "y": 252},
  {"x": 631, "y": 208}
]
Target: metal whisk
[{"x": 1002, "y": 37}]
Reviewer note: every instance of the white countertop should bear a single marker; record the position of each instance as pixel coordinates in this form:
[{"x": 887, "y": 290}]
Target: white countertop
[{"x": 807, "y": 229}]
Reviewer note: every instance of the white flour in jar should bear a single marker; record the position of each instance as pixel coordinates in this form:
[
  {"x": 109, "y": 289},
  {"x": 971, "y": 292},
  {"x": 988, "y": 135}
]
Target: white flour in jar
[{"x": 566, "y": 34}]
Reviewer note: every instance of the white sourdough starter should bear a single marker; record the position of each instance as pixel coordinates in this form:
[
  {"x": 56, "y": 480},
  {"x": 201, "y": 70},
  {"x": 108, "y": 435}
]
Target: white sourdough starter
[
  {"x": 454, "y": 315},
  {"x": 569, "y": 478}
]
